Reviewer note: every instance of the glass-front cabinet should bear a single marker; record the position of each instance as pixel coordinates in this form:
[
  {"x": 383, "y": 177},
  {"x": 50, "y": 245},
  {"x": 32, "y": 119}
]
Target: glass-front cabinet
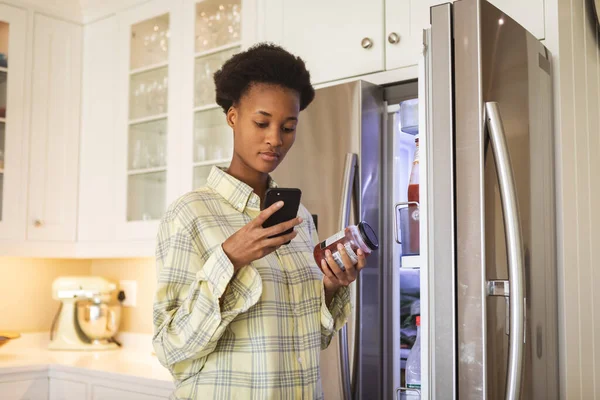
[
  {"x": 215, "y": 36},
  {"x": 149, "y": 117},
  {"x": 12, "y": 72}
]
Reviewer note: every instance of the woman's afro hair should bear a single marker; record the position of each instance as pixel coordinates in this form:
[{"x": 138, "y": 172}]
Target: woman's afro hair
[{"x": 262, "y": 63}]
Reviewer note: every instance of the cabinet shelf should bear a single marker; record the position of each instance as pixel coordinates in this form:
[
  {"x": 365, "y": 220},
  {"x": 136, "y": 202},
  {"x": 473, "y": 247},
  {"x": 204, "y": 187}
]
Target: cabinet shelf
[
  {"x": 211, "y": 162},
  {"x": 3, "y": 69},
  {"x": 143, "y": 171},
  {"x": 149, "y": 68},
  {"x": 3, "y": 120},
  {"x": 1, "y": 170},
  {"x": 219, "y": 49},
  {"x": 148, "y": 119},
  {"x": 206, "y": 107}
]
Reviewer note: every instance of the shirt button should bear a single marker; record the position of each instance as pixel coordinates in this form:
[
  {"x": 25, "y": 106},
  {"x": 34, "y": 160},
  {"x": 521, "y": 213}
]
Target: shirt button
[
  {"x": 300, "y": 360},
  {"x": 240, "y": 205}
]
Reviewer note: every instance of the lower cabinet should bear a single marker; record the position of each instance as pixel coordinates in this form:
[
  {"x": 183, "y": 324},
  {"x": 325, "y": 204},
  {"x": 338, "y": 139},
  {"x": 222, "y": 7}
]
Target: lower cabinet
[
  {"x": 105, "y": 393},
  {"x": 62, "y": 389},
  {"x": 28, "y": 389}
]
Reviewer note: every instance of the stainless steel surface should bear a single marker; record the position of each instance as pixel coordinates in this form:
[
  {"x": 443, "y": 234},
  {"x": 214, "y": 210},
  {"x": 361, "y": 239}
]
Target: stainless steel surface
[
  {"x": 393, "y": 38},
  {"x": 498, "y": 288},
  {"x": 397, "y": 209},
  {"x": 497, "y": 60},
  {"x": 347, "y": 190},
  {"x": 366, "y": 43},
  {"x": 438, "y": 100},
  {"x": 99, "y": 321},
  {"x": 329, "y": 128},
  {"x": 514, "y": 244}
]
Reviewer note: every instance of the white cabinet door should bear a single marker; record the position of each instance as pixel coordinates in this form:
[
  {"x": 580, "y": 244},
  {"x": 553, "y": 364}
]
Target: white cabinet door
[
  {"x": 336, "y": 38},
  {"x": 148, "y": 92},
  {"x": 528, "y": 13},
  {"x": 105, "y": 393},
  {"x": 406, "y": 19},
  {"x": 61, "y": 389},
  {"x": 54, "y": 150},
  {"x": 34, "y": 389},
  {"x": 13, "y": 171}
]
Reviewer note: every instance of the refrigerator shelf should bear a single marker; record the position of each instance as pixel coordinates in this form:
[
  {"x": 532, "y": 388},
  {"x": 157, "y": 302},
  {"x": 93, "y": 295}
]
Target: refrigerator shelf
[{"x": 410, "y": 262}]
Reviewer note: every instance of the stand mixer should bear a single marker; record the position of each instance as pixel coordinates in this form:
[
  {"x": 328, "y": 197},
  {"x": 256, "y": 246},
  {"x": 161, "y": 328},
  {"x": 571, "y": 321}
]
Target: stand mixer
[{"x": 89, "y": 314}]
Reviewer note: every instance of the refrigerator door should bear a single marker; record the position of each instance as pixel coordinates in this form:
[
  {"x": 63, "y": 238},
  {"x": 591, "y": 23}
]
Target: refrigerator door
[
  {"x": 342, "y": 121},
  {"x": 504, "y": 232}
]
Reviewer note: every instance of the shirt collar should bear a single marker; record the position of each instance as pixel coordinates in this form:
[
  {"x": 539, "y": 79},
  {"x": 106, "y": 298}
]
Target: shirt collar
[{"x": 236, "y": 192}]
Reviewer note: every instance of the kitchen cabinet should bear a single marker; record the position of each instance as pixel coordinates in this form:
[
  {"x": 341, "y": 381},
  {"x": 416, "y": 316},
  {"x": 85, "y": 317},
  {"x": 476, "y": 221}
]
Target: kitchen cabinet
[
  {"x": 62, "y": 389},
  {"x": 13, "y": 171},
  {"x": 336, "y": 38},
  {"x": 55, "y": 116},
  {"x": 368, "y": 36},
  {"x": 151, "y": 130},
  {"x": 106, "y": 393},
  {"x": 30, "y": 389}
]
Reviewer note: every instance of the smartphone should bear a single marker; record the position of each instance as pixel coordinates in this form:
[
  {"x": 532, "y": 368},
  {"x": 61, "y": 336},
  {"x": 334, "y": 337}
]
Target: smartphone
[{"x": 291, "y": 204}]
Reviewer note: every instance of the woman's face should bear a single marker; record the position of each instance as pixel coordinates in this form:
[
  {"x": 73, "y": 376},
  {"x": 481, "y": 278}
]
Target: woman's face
[{"x": 264, "y": 125}]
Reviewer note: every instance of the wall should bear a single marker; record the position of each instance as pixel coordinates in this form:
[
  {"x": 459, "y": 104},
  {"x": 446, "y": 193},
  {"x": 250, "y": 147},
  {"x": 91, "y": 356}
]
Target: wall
[
  {"x": 138, "y": 319},
  {"x": 574, "y": 42},
  {"x": 26, "y": 303}
]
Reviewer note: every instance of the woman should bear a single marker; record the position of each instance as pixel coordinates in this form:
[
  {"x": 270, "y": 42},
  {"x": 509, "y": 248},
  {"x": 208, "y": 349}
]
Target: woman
[{"x": 238, "y": 315}]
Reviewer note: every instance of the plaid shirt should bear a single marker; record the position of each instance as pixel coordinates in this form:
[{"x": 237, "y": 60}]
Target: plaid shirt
[{"x": 253, "y": 336}]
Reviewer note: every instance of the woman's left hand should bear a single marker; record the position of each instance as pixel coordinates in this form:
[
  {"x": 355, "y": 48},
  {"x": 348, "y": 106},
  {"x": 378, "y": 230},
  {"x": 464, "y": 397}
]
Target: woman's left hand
[{"x": 334, "y": 277}]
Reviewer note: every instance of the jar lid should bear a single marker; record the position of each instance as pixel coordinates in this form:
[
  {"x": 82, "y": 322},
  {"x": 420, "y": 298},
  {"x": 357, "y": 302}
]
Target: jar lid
[{"x": 368, "y": 235}]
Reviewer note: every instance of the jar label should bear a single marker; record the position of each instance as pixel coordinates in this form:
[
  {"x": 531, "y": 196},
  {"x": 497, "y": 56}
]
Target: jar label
[
  {"x": 338, "y": 257},
  {"x": 332, "y": 239},
  {"x": 414, "y": 386}
]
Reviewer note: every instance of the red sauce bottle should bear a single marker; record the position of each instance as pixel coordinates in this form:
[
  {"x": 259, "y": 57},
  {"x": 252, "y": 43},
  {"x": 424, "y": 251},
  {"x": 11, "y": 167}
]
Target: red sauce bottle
[
  {"x": 353, "y": 237},
  {"x": 413, "y": 210}
]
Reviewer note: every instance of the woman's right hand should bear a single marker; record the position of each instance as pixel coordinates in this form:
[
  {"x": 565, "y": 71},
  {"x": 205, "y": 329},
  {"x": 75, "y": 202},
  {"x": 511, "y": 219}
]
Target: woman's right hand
[{"x": 252, "y": 241}]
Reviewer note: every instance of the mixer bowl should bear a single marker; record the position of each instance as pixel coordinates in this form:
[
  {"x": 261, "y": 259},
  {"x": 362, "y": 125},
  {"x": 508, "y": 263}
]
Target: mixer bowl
[{"x": 99, "y": 321}]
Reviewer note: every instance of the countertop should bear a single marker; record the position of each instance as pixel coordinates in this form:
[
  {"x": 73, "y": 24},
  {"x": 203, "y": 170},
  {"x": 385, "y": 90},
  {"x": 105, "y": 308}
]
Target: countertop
[{"x": 134, "y": 361}]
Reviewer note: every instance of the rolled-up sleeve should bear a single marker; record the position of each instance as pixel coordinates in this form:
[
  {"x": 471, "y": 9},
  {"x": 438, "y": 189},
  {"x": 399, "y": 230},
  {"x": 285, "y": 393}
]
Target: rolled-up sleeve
[{"x": 197, "y": 296}]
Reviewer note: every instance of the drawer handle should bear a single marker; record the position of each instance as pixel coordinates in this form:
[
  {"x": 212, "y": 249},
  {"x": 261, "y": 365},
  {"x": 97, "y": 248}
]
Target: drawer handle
[
  {"x": 393, "y": 38},
  {"x": 366, "y": 43},
  {"x": 38, "y": 223}
]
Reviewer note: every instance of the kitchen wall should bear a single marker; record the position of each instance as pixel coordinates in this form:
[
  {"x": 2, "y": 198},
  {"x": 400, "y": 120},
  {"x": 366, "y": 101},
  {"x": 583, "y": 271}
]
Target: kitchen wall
[
  {"x": 138, "y": 319},
  {"x": 26, "y": 303},
  {"x": 572, "y": 38}
]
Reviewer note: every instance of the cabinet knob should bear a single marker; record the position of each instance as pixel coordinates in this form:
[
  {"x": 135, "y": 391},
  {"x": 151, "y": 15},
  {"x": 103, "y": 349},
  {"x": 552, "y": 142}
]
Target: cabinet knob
[
  {"x": 393, "y": 38},
  {"x": 38, "y": 223},
  {"x": 366, "y": 43}
]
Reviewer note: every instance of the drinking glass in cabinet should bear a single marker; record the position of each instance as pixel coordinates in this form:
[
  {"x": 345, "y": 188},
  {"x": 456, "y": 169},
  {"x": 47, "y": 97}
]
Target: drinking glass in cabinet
[
  {"x": 150, "y": 42},
  {"x": 213, "y": 139},
  {"x": 206, "y": 66},
  {"x": 218, "y": 23},
  {"x": 148, "y": 93},
  {"x": 148, "y": 144},
  {"x": 146, "y": 196}
]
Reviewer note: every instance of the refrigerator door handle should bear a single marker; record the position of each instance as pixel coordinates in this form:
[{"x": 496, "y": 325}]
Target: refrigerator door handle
[
  {"x": 347, "y": 191},
  {"x": 514, "y": 247}
]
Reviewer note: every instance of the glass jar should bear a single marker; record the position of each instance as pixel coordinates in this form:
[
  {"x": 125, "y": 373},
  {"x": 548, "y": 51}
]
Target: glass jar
[{"x": 353, "y": 237}]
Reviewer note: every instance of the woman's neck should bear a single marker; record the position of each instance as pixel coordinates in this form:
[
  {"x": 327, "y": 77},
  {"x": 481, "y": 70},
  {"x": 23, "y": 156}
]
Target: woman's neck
[{"x": 257, "y": 180}]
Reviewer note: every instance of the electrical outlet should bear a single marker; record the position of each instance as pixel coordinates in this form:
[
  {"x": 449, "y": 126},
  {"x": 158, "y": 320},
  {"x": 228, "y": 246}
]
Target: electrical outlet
[{"x": 130, "y": 289}]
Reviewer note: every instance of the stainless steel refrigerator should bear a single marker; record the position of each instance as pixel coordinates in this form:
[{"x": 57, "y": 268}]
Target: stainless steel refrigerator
[{"x": 485, "y": 272}]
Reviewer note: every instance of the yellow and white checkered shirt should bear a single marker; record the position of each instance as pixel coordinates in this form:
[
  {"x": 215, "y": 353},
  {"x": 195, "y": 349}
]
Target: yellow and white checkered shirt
[{"x": 263, "y": 341}]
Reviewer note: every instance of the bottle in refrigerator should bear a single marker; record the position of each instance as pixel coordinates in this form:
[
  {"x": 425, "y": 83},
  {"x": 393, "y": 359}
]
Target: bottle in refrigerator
[
  {"x": 413, "y": 210},
  {"x": 413, "y": 365}
]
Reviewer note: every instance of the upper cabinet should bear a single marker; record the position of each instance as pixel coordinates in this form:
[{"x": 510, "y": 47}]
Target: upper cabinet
[
  {"x": 214, "y": 34},
  {"x": 341, "y": 39},
  {"x": 13, "y": 169},
  {"x": 55, "y": 117},
  {"x": 336, "y": 38}
]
